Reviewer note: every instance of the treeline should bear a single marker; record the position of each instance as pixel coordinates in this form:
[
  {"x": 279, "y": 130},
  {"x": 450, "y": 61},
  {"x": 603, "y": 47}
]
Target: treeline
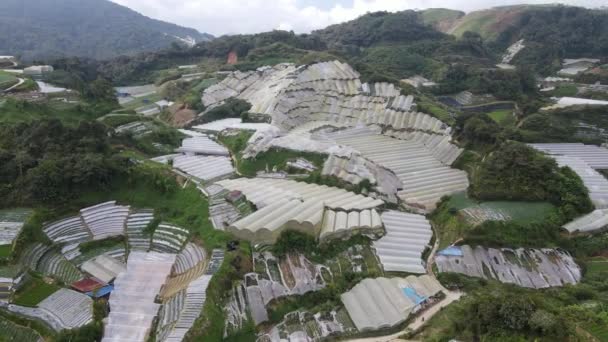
[
  {"x": 46, "y": 162},
  {"x": 556, "y": 32}
]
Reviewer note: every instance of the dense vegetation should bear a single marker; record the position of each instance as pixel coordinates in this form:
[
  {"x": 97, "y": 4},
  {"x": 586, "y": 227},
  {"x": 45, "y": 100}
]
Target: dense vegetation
[
  {"x": 46, "y": 161},
  {"x": 105, "y": 29},
  {"x": 518, "y": 172}
]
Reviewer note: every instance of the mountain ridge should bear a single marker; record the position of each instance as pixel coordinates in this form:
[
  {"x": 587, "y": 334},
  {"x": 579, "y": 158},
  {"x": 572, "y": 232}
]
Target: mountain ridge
[{"x": 45, "y": 29}]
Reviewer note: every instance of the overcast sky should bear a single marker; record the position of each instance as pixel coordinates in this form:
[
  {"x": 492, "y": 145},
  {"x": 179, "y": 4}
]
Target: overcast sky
[{"x": 251, "y": 16}]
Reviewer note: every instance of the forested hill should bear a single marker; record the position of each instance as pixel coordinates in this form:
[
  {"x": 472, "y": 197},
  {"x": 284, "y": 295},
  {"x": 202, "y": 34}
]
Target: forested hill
[
  {"x": 42, "y": 29},
  {"x": 553, "y": 32}
]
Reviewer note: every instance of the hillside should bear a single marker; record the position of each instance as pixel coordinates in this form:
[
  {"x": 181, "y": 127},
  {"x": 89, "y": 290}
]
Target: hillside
[
  {"x": 40, "y": 29},
  {"x": 442, "y": 19},
  {"x": 488, "y": 23}
]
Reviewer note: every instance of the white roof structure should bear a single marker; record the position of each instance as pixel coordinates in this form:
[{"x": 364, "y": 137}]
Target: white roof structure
[
  {"x": 64, "y": 309},
  {"x": 593, "y": 180},
  {"x": 343, "y": 223},
  {"x": 532, "y": 268},
  {"x": 106, "y": 219},
  {"x": 512, "y": 51},
  {"x": 9, "y": 232},
  {"x": 565, "y": 102},
  {"x": 286, "y": 204},
  {"x": 136, "y": 224},
  {"x": 595, "y": 156},
  {"x": 104, "y": 268},
  {"x": 579, "y": 158},
  {"x": 38, "y": 69},
  {"x": 383, "y": 303},
  {"x": 574, "y": 66},
  {"x": 202, "y": 145},
  {"x": 592, "y": 222},
  {"x": 422, "y": 164},
  {"x": 132, "y": 306},
  {"x": 236, "y": 123},
  {"x": 191, "y": 309},
  {"x": 407, "y": 236},
  {"x": 205, "y": 168}
]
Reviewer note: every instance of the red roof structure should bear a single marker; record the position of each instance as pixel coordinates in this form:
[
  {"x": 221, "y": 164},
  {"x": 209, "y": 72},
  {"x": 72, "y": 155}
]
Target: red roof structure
[{"x": 87, "y": 285}]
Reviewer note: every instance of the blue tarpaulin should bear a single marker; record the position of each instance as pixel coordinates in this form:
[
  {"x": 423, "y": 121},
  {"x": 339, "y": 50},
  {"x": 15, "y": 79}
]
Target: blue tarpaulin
[
  {"x": 413, "y": 296},
  {"x": 101, "y": 292},
  {"x": 451, "y": 251}
]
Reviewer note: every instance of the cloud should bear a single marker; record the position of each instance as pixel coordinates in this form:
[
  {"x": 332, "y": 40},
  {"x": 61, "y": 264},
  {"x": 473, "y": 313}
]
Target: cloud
[{"x": 250, "y": 16}]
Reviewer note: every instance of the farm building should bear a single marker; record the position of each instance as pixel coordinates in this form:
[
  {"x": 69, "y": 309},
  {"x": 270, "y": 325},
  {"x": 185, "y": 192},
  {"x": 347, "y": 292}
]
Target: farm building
[
  {"x": 532, "y": 268},
  {"x": 382, "y": 303},
  {"x": 565, "y": 102},
  {"x": 224, "y": 124},
  {"x": 38, "y": 70},
  {"x": 202, "y": 145},
  {"x": 200, "y": 158},
  {"x": 572, "y": 67},
  {"x": 407, "y": 236},
  {"x": 286, "y": 204},
  {"x": 103, "y": 268}
]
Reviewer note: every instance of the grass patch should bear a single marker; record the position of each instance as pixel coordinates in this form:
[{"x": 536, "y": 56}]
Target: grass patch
[
  {"x": 35, "y": 291},
  {"x": 599, "y": 331},
  {"x": 425, "y": 105},
  {"x": 119, "y": 120},
  {"x": 7, "y": 80},
  {"x": 596, "y": 266},
  {"x": 502, "y": 116},
  {"x": 565, "y": 90},
  {"x": 15, "y": 111},
  {"x": 142, "y": 101},
  {"x": 5, "y": 251}
]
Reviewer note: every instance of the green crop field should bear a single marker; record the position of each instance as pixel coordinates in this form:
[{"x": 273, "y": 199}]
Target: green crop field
[
  {"x": 7, "y": 80},
  {"x": 501, "y": 116},
  {"x": 5, "y": 251},
  {"x": 34, "y": 292}
]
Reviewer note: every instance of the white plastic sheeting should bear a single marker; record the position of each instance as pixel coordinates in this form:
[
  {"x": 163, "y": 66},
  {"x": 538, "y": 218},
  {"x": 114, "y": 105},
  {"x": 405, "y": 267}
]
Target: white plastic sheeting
[
  {"x": 592, "y": 222},
  {"x": 383, "y": 303},
  {"x": 593, "y": 180},
  {"x": 106, "y": 219},
  {"x": 205, "y": 168},
  {"x": 425, "y": 179},
  {"x": 64, "y": 309},
  {"x": 220, "y": 125},
  {"x": 286, "y": 204},
  {"x": 407, "y": 236},
  {"x": 344, "y": 223},
  {"x": 595, "y": 156},
  {"x": 104, "y": 268},
  {"x": 132, "y": 307},
  {"x": 202, "y": 145},
  {"x": 532, "y": 268}
]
